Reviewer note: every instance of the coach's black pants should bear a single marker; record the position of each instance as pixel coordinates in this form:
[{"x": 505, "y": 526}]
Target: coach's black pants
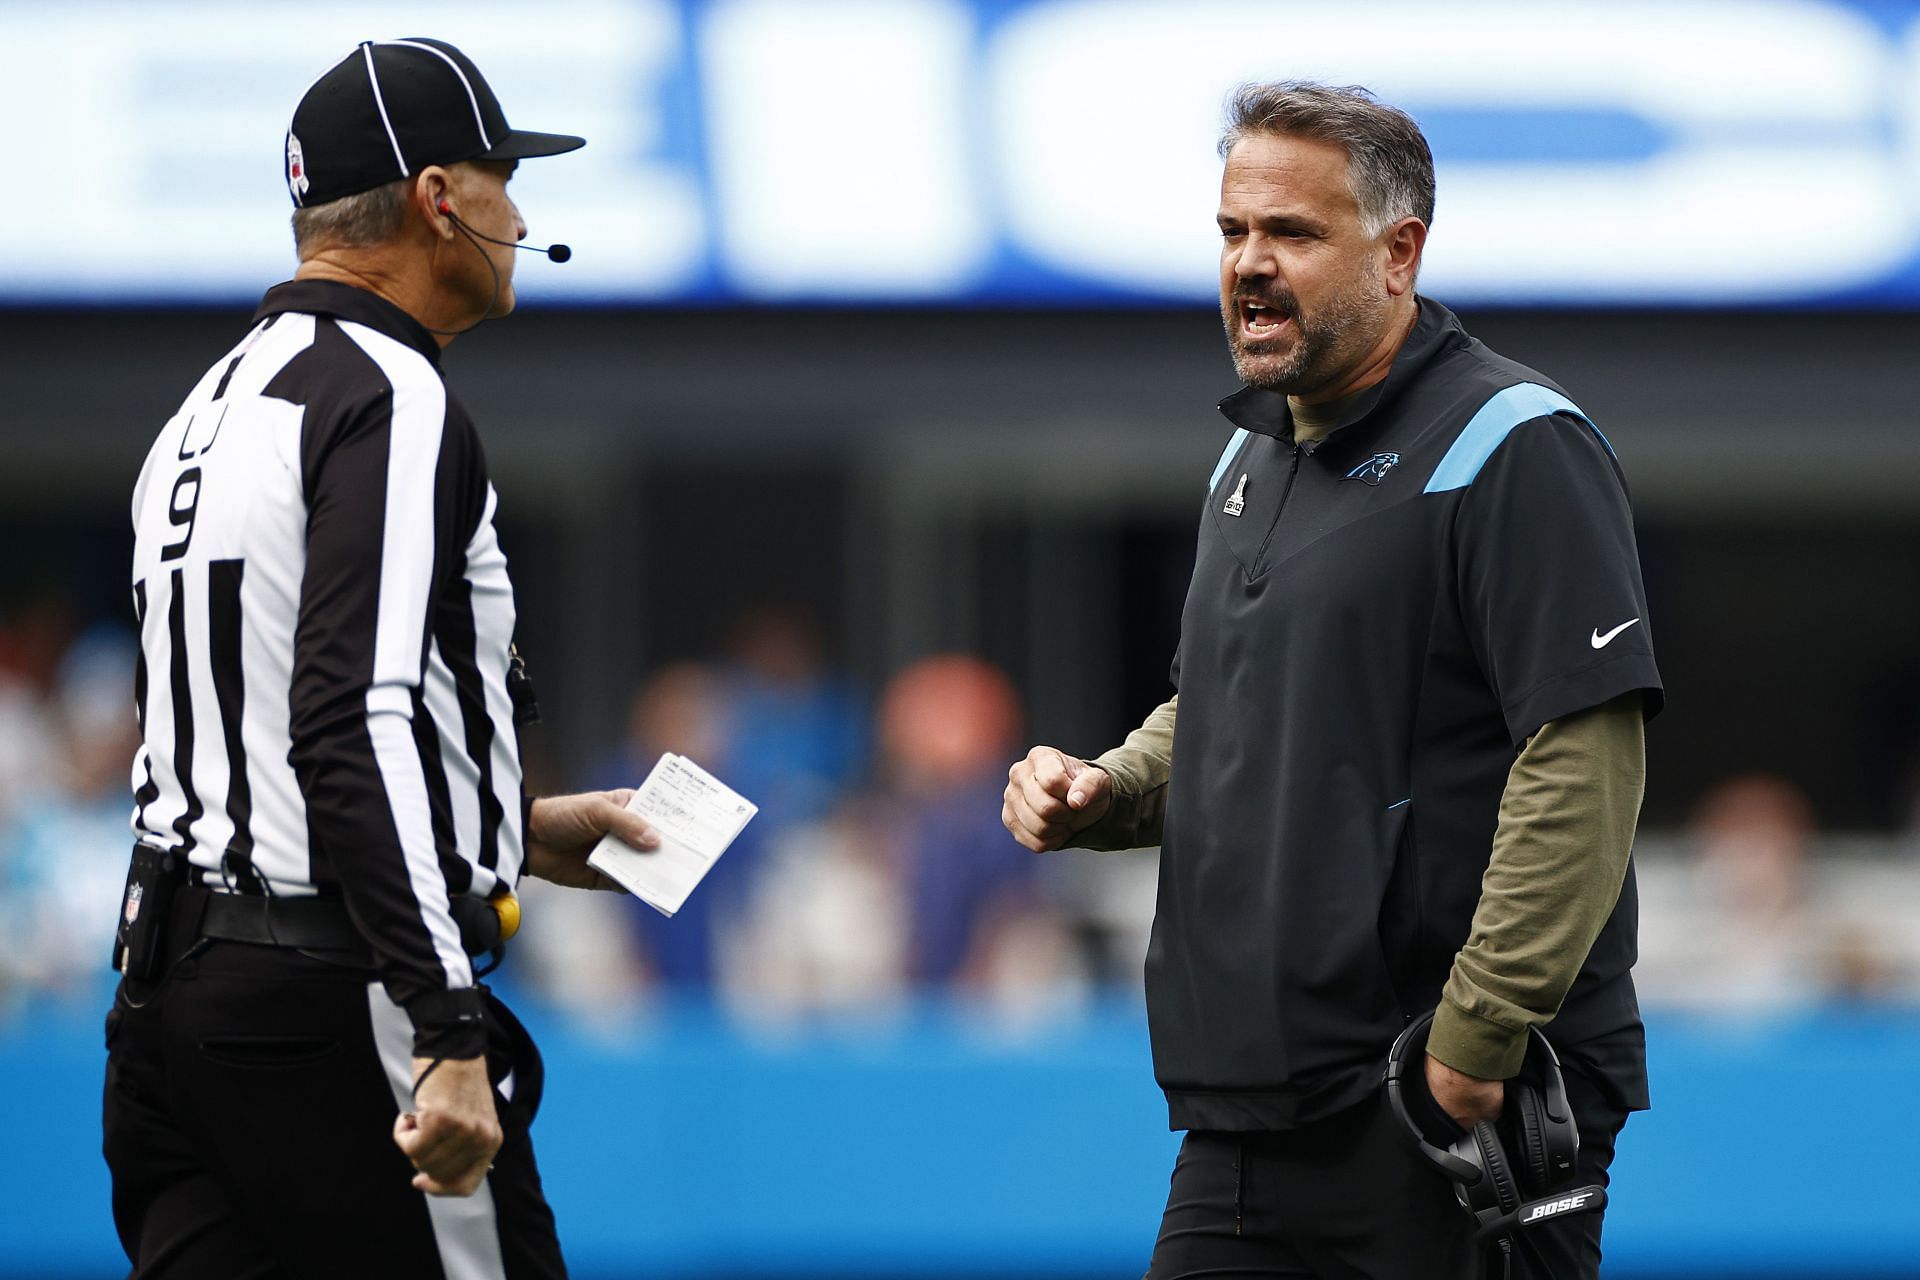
[
  {"x": 1348, "y": 1198},
  {"x": 250, "y": 1101}
]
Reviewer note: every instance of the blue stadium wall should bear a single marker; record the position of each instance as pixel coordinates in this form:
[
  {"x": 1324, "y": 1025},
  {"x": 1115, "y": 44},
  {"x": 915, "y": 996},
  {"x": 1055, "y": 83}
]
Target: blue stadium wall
[{"x": 934, "y": 1143}]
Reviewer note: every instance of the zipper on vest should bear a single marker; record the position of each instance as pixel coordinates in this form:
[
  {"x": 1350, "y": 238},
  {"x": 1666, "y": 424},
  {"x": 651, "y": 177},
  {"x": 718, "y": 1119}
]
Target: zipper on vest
[{"x": 1293, "y": 471}]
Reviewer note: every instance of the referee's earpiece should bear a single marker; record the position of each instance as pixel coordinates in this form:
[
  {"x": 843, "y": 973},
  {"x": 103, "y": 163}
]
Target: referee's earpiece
[{"x": 446, "y": 208}]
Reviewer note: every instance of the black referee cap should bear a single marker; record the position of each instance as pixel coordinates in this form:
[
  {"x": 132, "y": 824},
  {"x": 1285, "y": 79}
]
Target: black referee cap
[{"x": 393, "y": 107}]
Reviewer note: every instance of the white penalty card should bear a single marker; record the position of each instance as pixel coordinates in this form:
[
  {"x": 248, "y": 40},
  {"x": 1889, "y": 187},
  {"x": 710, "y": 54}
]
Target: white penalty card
[{"x": 696, "y": 817}]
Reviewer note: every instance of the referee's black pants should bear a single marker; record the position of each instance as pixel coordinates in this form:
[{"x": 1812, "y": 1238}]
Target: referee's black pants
[
  {"x": 250, "y": 1101},
  {"x": 1348, "y": 1198}
]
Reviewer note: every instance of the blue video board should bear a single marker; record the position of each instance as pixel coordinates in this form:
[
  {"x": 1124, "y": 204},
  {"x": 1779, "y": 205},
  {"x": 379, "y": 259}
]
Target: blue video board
[{"x": 1003, "y": 152}]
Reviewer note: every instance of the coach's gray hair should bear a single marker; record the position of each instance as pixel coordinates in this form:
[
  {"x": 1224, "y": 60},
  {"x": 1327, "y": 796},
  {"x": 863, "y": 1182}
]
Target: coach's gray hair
[
  {"x": 356, "y": 222},
  {"x": 1389, "y": 166}
]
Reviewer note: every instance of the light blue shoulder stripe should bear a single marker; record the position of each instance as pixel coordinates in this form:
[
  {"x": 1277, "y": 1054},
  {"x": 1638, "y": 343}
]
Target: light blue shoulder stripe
[
  {"x": 1233, "y": 447},
  {"x": 1490, "y": 427}
]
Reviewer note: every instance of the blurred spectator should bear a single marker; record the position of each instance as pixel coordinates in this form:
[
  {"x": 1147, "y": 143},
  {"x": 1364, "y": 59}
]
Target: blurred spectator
[
  {"x": 916, "y": 883},
  {"x": 25, "y": 731},
  {"x": 798, "y": 733},
  {"x": 63, "y": 856},
  {"x": 594, "y": 954},
  {"x": 946, "y": 725},
  {"x": 584, "y": 952},
  {"x": 685, "y": 708},
  {"x": 774, "y": 725},
  {"x": 575, "y": 953},
  {"x": 679, "y": 708},
  {"x": 827, "y": 929},
  {"x": 1741, "y": 928},
  {"x": 33, "y": 638}
]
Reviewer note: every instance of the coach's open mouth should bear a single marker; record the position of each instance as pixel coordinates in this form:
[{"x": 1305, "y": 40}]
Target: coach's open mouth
[{"x": 1259, "y": 321}]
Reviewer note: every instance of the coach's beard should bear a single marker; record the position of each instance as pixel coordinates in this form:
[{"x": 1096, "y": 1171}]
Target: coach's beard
[{"x": 1324, "y": 342}]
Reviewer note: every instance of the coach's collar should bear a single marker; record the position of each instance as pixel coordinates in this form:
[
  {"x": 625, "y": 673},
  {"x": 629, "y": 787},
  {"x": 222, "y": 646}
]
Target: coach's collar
[
  {"x": 348, "y": 302},
  {"x": 1259, "y": 410}
]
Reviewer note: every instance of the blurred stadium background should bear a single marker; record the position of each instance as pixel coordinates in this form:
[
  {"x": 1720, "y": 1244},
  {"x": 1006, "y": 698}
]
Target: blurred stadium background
[{"x": 859, "y": 447}]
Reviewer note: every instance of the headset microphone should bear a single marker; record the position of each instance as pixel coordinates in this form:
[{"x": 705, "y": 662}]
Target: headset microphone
[{"x": 557, "y": 252}]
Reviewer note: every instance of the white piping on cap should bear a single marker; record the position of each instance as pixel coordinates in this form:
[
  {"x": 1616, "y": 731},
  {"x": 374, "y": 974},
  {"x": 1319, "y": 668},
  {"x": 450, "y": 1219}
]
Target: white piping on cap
[
  {"x": 366, "y": 50},
  {"x": 485, "y": 141}
]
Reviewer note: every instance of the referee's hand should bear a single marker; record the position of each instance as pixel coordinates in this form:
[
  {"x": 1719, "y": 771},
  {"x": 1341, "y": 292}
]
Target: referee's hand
[
  {"x": 1051, "y": 796},
  {"x": 562, "y": 831},
  {"x": 453, "y": 1132}
]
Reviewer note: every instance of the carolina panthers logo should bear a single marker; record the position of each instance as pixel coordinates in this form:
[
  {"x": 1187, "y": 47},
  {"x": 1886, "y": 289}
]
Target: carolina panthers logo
[{"x": 1374, "y": 469}]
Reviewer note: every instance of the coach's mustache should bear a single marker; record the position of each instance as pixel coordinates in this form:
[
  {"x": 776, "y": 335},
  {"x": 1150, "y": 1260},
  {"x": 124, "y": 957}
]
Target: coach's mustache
[{"x": 1284, "y": 303}]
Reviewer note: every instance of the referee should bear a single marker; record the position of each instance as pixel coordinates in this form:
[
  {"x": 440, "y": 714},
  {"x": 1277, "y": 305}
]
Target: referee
[{"x": 303, "y": 1077}]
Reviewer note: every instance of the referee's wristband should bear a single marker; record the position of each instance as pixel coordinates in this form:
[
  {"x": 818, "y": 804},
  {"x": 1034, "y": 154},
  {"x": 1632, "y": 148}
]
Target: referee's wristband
[{"x": 448, "y": 1024}]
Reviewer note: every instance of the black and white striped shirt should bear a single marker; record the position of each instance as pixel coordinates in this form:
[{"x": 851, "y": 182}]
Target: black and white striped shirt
[{"x": 325, "y": 621}]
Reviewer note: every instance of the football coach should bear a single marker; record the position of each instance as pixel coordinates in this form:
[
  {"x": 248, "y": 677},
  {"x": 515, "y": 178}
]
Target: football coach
[
  {"x": 303, "y": 1077},
  {"x": 1405, "y": 761}
]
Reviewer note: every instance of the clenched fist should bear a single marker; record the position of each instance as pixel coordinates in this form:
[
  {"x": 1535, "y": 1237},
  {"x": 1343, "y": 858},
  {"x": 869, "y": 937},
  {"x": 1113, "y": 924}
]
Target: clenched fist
[
  {"x": 1051, "y": 796},
  {"x": 454, "y": 1130}
]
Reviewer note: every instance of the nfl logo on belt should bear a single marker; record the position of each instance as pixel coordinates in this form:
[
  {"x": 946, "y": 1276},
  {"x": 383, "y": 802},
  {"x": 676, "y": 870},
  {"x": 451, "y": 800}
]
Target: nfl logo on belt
[
  {"x": 132, "y": 912},
  {"x": 296, "y": 169}
]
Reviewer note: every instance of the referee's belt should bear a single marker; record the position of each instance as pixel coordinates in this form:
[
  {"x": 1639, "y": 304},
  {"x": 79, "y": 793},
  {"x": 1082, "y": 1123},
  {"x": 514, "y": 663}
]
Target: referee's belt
[{"x": 322, "y": 924}]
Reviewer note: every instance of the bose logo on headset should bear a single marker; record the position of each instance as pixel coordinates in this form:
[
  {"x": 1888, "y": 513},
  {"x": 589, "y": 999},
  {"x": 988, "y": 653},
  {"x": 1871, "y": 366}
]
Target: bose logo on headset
[{"x": 1569, "y": 1205}]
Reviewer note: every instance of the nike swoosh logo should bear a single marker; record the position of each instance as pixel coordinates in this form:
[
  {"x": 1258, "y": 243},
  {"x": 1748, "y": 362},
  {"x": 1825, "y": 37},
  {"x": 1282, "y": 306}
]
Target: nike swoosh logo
[{"x": 1602, "y": 641}]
